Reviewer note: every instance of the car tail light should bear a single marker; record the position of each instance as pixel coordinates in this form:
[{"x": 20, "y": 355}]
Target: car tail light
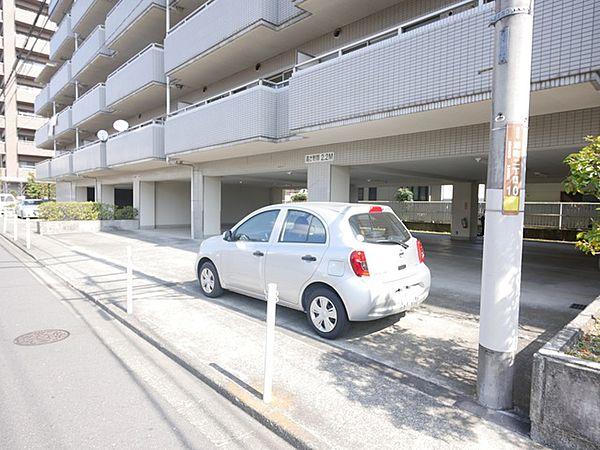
[
  {"x": 358, "y": 261},
  {"x": 420, "y": 252}
]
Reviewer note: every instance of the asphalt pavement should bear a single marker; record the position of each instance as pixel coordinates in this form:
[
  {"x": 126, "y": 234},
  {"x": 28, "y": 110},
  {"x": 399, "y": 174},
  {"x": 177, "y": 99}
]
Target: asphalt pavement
[{"x": 100, "y": 386}]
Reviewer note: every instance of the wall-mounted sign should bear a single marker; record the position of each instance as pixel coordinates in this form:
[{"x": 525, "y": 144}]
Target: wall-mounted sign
[
  {"x": 515, "y": 150},
  {"x": 319, "y": 157}
]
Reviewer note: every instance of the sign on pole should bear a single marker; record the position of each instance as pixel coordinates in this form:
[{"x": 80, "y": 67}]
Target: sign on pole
[{"x": 515, "y": 152}]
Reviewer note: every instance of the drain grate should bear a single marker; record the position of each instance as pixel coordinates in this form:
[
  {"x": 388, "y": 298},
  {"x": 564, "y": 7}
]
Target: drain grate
[
  {"x": 577, "y": 306},
  {"x": 41, "y": 337}
]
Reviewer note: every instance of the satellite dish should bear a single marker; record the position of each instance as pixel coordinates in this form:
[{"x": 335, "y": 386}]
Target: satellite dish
[
  {"x": 120, "y": 125},
  {"x": 102, "y": 135}
]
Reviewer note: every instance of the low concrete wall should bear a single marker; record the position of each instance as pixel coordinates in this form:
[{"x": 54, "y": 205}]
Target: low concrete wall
[
  {"x": 565, "y": 390},
  {"x": 85, "y": 226}
]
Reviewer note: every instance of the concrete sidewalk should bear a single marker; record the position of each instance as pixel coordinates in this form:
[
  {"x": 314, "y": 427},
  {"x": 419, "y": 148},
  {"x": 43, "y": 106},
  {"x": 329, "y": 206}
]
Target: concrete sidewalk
[{"x": 395, "y": 383}]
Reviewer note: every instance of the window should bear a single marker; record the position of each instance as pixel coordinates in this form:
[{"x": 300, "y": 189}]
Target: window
[
  {"x": 303, "y": 227},
  {"x": 379, "y": 228},
  {"x": 257, "y": 228},
  {"x": 372, "y": 194},
  {"x": 361, "y": 194}
]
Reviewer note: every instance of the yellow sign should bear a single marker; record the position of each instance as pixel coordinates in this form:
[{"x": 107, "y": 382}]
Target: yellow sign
[{"x": 515, "y": 150}]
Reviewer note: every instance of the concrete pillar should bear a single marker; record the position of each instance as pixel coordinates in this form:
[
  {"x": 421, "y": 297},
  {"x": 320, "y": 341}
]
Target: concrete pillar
[
  {"x": 276, "y": 195},
  {"x": 328, "y": 183},
  {"x": 464, "y": 211},
  {"x": 144, "y": 200},
  {"x": 435, "y": 193},
  {"x": 353, "y": 193},
  {"x": 66, "y": 191},
  {"x": 105, "y": 193},
  {"x": 206, "y": 205}
]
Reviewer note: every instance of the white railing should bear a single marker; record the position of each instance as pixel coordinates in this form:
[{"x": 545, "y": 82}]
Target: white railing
[
  {"x": 134, "y": 58},
  {"x": 379, "y": 37},
  {"x": 546, "y": 215},
  {"x": 192, "y": 15},
  {"x": 229, "y": 93}
]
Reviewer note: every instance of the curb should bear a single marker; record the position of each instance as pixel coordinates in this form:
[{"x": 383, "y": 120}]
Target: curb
[{"x": 251, "y": 405}]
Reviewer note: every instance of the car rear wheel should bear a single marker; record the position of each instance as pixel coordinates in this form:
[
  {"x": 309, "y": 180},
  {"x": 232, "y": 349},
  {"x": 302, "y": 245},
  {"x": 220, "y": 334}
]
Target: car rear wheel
[
  {"x": 326, "y": 313},
  {"x": 208, "y": 278}
]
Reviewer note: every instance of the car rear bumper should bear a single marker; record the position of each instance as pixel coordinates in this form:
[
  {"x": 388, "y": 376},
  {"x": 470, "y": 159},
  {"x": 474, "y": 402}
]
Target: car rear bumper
[{"x": 370, "y": 299}]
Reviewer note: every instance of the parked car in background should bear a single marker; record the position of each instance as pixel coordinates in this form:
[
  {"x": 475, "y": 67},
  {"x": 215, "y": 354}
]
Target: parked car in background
[
  {"x": 7, "y": 203},
  {"x": 337, "y": 262},
  {"x": 28, "y": 208}
]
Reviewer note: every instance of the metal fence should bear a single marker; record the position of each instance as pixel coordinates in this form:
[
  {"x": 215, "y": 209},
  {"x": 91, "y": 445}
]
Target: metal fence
[{"x": 553, "y": 216}]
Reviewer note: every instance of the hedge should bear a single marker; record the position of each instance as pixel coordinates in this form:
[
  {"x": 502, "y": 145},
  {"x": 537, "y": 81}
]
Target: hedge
[{"x": 55, "y": 211}]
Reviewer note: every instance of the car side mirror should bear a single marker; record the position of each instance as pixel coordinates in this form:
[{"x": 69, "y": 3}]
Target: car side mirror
[{"x": 228, "y": 235}]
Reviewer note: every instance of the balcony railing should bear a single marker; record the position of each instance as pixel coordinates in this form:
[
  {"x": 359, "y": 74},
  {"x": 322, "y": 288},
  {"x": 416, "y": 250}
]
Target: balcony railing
[
  {"x": 61, "y": 36},
  {"x": 43, "y": 170},
  {"x": 87, "y": 14},
  {"x": 88, "y": 50},
  {"x": 62, "y": 166},
  {"x": 257, "y": 110},
  {"x": 89, "y": 104},
  {"x": 60, "y": 80},
  {"x": 89, "y": 158},
  {"x": 42, "y": 100},
  {"x": 144, "y": 69},
  {"x": 43, "y": 138},
  {"x": 64, "y": 121},
  {"x": 57, "y": 9},
  {"x": 124, "y": 13},
  {"x": 142, "y": 143},
  {"x": 216, "y": 21}
]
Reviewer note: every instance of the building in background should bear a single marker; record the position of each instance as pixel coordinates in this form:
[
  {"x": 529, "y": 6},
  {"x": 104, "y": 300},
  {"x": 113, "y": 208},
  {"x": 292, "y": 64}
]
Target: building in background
[
  {"x": 26, "y": 34},
  {"x": 232, "y": 102}
]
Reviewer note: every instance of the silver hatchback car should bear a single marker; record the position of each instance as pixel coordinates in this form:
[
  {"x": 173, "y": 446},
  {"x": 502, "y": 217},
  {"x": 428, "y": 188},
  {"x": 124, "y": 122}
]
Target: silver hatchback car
[{"x": 338, "y": 262}]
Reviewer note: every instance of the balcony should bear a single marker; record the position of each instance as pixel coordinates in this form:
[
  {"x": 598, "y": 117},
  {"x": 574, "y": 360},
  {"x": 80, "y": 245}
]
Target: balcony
[
  {"x": 91, "y": 63},
  {"x": 43, "y": 171},
  {"x": 255, "y": 114},
  {"x": 131, "y": 26},
  {"x": 62, "y": 43},
  {"x": 139, "y": 84},
  {"x": 26, "y": 94},
  {"x": 90, "y": 111},
  {"x": 42, "y": 104},
  {"x": 90, "y": 159},
  {"x": 62, "y": 166},
  {"x": 29, "y": 121},
  {"x": 62, "y": 90},
  {"x": 28, "y": 148},
  {"x": 231, "y": 30},
  {"x": 58, "y": 8},
  {"x": 44, "y": 137},
  {"x": 139, "y": 148},
  {"x": 64, "y": 125},
  {"x": 86, "y": 15}
]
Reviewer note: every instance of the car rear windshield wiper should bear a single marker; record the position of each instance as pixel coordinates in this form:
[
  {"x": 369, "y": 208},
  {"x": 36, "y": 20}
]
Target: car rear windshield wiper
[{"x": 404, "y": 245}]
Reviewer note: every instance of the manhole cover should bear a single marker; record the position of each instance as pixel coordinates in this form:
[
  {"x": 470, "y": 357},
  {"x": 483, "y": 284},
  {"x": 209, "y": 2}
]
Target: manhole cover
[{"x": 41, "y": 337}]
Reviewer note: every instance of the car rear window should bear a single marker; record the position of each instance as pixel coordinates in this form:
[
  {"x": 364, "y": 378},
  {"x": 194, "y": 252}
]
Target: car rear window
[{"x": 379, "y": 228}]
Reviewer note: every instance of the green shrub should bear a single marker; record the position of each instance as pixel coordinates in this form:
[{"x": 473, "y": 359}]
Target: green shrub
[
  {"x": 55, "y": 211},
  {"x": 404, "y": 195},
  {"x": 299, "y": 197}
]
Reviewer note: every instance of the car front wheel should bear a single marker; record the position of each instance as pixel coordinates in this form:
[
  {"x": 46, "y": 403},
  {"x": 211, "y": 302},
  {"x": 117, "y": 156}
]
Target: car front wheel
[
  {"x": 326, "y": 313},
  {"x": 208, "y": 278}
]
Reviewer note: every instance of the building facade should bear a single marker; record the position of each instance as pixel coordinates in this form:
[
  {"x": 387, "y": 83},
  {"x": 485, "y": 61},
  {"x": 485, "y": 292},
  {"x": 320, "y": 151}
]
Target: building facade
[
  {"x": 26, "y": 34},
  {"x": 231, "y": 102}
]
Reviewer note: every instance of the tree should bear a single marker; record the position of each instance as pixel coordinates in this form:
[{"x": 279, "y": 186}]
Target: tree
[
  {"x": 34, "y": 189},
  {"x": 584, "y": 178},
  {"x": 404, "y": 195}
]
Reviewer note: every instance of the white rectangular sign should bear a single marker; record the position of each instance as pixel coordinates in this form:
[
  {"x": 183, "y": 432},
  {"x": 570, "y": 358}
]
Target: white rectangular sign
[{"x": 319, "y": 157}]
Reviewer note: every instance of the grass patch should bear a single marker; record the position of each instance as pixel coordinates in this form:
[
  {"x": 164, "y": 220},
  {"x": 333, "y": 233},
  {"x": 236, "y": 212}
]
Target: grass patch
[{"x": 588, "y": 346}]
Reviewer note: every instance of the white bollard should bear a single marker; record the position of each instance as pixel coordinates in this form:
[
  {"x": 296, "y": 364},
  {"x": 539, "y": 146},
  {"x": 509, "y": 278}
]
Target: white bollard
[
  {"x": 4, "y": 222},
  {"x": 15, "y": 228},
  {"x": 129, "y": 282},
  {"x": 272, "y": 298},
  {"x": 28, "y": 233}
]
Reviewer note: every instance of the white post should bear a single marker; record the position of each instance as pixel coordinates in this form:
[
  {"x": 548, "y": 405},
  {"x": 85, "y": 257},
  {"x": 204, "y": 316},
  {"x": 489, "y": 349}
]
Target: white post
[
  {"x": 560, "y": 216},
  {"x": 5, "y": 222},
  {"x": 272, "y": 298},
  {"x": 129, "y": 282},
  {"x": 28, "y": 233},
  {"x": 15, "y": 228}
]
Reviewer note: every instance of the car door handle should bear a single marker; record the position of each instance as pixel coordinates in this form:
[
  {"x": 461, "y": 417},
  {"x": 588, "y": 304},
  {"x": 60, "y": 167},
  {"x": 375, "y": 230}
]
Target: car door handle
[
  {"x": 309, "y": 258},
  {"x": 258, "y": 253}
]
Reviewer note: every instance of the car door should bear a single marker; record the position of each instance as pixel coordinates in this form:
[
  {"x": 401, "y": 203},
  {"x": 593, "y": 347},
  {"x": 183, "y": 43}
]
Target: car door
[
  {"x": 243, "y": 258},
  {"x": 296, "y": 254}
]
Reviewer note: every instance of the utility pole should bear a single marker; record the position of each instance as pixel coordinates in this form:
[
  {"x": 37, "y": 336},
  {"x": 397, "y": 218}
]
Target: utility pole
[{"x": 505, "y": 196}]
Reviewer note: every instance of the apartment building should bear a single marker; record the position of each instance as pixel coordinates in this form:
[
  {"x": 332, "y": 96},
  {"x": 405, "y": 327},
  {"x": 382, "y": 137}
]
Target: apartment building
[
  {"x": 26, "y": 33},
  {"x": 230, "y": 102}
]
